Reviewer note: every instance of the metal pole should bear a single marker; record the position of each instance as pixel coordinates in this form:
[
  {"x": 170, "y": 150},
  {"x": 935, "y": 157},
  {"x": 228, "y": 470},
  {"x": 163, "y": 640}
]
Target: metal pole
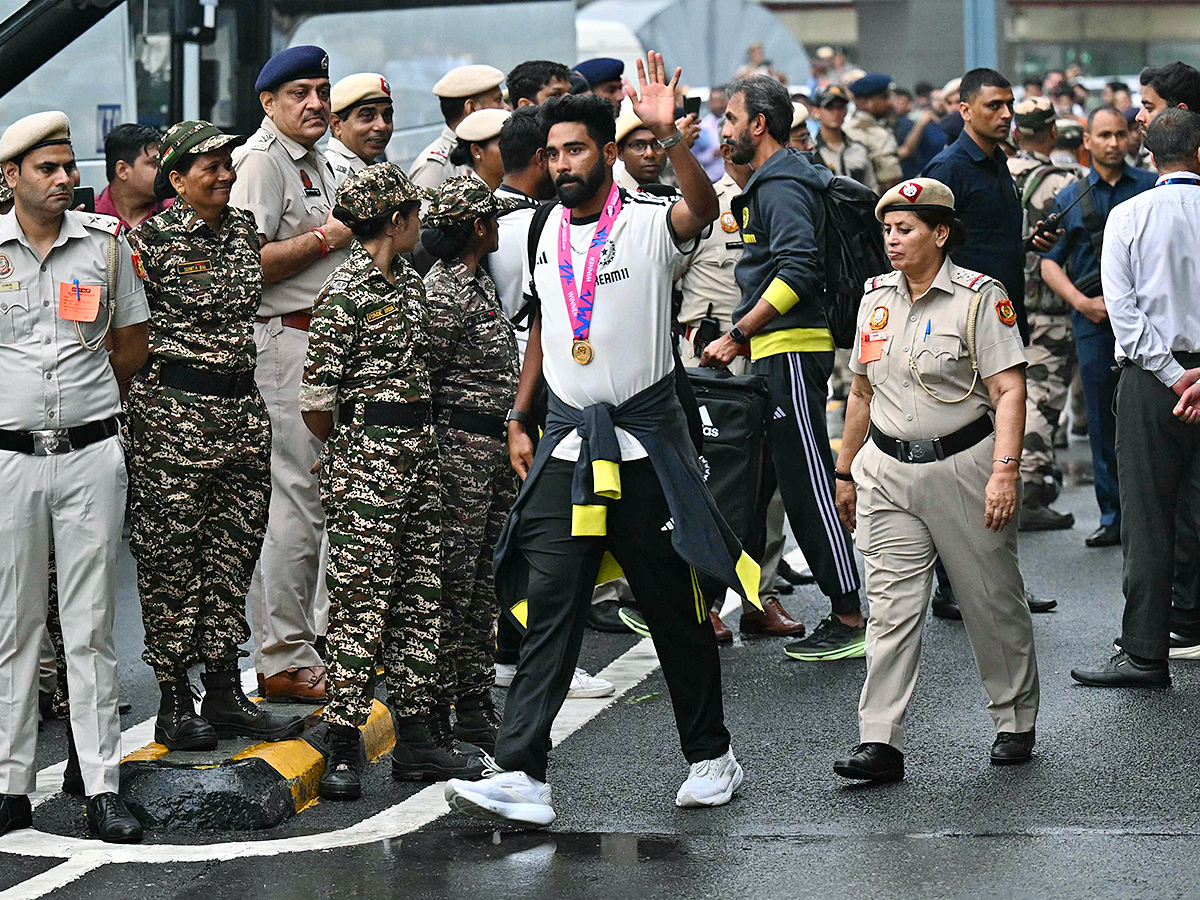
[{"x": 980, "y": 43}]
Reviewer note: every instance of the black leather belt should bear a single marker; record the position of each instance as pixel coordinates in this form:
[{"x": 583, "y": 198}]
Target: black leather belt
[
  {"x": 395, "y": 415},
  {"x": 478, "y": 423},
  {"x": 938, "y": 448},
  {"x": 201, "y": 381},
  {"x": 52, "y": 442}
]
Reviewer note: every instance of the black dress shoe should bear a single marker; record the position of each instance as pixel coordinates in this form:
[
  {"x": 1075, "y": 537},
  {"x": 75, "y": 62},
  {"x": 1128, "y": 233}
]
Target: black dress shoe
[
  {"x": 1122, "y": 671},
  {"x": 872, "y": 762},
  {"x": 110, "y": 820},
  {"x": 945, "y": 606},
  {"x": 604, "y": 616},
  {"x": 787, "y": 573},
  {"x": 15, "y": 812},
  {"x": 1039, "y": 606},
  {"x": 1104, "y": 536},
  {"x": 1012, "y": 748},
  {"x": 782, "y": 586}
]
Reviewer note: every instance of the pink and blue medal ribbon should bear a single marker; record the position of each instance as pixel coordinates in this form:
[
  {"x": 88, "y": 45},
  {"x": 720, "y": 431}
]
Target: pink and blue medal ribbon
[{"x": 580, "y": 302}]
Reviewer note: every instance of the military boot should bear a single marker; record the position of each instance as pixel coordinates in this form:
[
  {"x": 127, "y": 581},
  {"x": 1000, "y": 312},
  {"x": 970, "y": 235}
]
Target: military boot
[
  {"x": 177, "y": 726},
  {"x": 343, "y": 767},
  {"x": 1034, "y": 516},
  {"x": 233, "y": 714},
  {"x": 417, "y": 757},
  {"x": 478, "y": 722}
]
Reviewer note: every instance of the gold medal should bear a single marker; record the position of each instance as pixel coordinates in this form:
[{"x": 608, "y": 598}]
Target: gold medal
[{"x": 582, "y": 351}]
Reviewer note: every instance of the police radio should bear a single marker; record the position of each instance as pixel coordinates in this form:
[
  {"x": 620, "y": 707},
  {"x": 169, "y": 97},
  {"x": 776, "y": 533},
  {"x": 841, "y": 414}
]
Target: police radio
[
  {"x": 1049, "y": 226},
  {"x": 707, "y": 331}
]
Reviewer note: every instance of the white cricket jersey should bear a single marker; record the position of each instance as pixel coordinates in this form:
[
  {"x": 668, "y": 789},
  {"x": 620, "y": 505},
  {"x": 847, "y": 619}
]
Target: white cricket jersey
[
  {"x": 509, "y": 265},
  {"x": 631, "y": 318}
]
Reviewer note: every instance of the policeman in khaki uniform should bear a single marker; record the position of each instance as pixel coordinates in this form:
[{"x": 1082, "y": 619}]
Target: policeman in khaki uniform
[
  {"x": 288, "y": 186},
  {"x": 1051, "y": 351},
  {"x": 360, "y": 123},
  {"x": 928, "y": 466},
  {"x": 67, "y": 282},
  {"x": 461, "y": 91},
  {"x": 866, "y": 126}
]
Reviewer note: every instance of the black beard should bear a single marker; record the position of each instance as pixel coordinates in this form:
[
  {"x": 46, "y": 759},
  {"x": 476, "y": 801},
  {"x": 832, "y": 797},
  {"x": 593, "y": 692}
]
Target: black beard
[
  {"x": 741, "y": 150},
  {"x": 573, "y": 192}
]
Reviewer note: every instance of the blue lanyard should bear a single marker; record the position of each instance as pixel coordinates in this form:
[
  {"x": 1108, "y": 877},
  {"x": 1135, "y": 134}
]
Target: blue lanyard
[{"x": 1193, "y": 180}]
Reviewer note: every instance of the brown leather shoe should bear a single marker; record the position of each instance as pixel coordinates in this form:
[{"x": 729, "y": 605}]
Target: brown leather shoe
[
  {"x": 723, "y": 631},
  {"x": 773, "y": 621},
  {"x": 306, "y": 685}
]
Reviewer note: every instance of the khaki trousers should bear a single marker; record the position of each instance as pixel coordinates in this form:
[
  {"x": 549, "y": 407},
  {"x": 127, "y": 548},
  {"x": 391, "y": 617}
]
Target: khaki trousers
[
  {"x": 282, "y": 592},
  {"x": 908, "y": 515},
  {"x": 77, "y": 500}
]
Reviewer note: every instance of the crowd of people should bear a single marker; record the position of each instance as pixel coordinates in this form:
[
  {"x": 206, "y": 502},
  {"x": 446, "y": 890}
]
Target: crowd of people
[{"x": 439, "y": 420}]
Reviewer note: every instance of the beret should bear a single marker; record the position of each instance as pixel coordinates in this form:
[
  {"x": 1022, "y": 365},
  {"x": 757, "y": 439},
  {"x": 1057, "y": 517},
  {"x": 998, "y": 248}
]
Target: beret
[
  {"x": 183, "y": 140},
  {"x": 825, "y": 52},
  {"x": 627, "y": 124},
  {"x": 355, "y": 90},
  {"x": 799, "y": 114},
  {"x": 916, "y": 193},
  {"x": 465, "y": 198},
  {"x": 831, "y": 93},
  {"x": 467, "y": 81},
  {"x": 482, "y": 125},
  {"x": 39, "y": 130},
  {"x": 601, "y": 69},
  {"x": 869, "y": 85},
  {"x": 304, "y": 61},
  {"x": 373, "y": 190},
  {"x": 952, "y": 86},
  {"x": 1034, "y": 114}
]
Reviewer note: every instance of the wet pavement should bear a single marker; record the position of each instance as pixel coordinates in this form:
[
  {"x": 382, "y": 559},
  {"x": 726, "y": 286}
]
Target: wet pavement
[{"x": 1106, "y": 809}]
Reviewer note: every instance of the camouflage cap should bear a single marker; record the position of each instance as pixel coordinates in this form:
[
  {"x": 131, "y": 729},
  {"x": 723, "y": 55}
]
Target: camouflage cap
[
  {"x": 1033, "y": 114},
  {"x": 375, "y": 190},
  {"x": 183, "y": 140},
  {"x": 465, "y": 198}
]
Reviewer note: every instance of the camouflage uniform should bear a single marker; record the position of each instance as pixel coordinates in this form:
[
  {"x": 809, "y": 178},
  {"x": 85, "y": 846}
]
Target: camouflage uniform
[
  {"x": 199, "y": 464},
  {"x": 379, "y": 484},
  {"x": 475, "y": 366},
  {"x": 1051, "y": 351},
  {"x": 62, "y": 703}
]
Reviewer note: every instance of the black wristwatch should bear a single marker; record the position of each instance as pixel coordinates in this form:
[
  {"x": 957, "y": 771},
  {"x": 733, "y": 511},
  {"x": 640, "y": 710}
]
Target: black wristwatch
[
  {"x": 738, "y": 335},
  {"x": 516, "y": 415},
  {"x": 843, "y": 476}
]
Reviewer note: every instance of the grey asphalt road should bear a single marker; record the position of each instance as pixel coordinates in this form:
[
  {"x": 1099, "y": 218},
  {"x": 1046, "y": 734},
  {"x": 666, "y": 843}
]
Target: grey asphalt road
[{"x": 1106, "y": 809}]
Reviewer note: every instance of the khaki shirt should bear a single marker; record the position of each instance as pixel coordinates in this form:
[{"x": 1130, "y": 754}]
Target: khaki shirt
[
  {"x": 930, "y": 334},
  {"x": 880, "y": 143},
  {"x": 854, "y": 160},
  {"x": 344, "y": 161},
  {"x": 432, "y": 165},
  {"x": 50, "y": 380},
  {"x": 708, "y": 270},
  {"x": 289, "y": 190}
]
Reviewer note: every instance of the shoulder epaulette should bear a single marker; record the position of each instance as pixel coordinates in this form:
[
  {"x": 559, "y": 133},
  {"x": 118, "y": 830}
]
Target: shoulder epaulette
[
  {"x": 101, "y": 222},
  {"x": 886, "y": 280},
  {"x": 260, "y": 140},
  {"x": 969, "y": 279}
]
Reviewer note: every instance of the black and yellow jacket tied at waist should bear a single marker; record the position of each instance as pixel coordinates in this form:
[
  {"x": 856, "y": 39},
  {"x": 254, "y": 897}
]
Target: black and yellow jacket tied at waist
[{"x": 654, "y": 417}]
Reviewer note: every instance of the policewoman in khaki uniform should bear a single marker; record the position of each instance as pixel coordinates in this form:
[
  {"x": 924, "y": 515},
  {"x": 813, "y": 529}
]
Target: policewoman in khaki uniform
[{"x": 929, "y": 467}]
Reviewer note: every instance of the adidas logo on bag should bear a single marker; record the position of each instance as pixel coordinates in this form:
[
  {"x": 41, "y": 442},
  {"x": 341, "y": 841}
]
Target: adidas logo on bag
[
  {"x": 779, "y": 413},
  {"x": 709, "y": 429}
]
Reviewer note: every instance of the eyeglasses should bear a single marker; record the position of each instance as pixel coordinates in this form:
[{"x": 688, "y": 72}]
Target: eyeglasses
[{"x": 640, "y": 146}]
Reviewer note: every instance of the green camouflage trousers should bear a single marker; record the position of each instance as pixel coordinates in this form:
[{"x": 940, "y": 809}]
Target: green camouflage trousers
[
  {"x": 62, "y": 705},
  {"x": 380, "y": 494},
  {"x": 1051, "y": 363},
  {"x": 200, "y": 472},
  {"x": 478, "y": 487}
]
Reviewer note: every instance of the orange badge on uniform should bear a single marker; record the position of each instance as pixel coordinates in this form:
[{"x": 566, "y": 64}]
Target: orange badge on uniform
[
  {"x": 728, "y": 223},
  {"x": 879, "y": 318},
  {"x": 1006, "y": 312},
  {"x": 138, "y": 266}
]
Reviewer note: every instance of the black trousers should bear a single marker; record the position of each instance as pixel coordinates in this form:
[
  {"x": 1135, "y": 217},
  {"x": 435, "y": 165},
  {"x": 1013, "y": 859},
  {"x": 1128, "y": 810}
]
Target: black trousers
[
  {"x": 1158, "y": 465},
  {"x": 562, "y": 575},
  {"x": 803, "y": 466}
]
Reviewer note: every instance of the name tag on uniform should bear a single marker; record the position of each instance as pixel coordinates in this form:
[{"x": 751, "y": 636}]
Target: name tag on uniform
[
  {"x": 78, "y": 302},
  {"x": 376, "y": 314},
  {"x": 870, "y": 347},
  {"x": 194, "y": 267},
  {"x": 11, "y": 286}
]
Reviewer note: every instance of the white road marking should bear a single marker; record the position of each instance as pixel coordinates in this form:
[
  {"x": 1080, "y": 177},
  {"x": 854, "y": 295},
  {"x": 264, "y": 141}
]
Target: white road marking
[{"x": 53, "y": 879}]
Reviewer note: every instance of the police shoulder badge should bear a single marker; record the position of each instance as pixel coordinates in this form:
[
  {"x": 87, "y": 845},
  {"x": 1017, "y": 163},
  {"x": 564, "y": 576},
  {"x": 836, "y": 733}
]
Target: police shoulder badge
[
  {"x": 879, "y": 318},
  {"x": 138, "y": 265},
  {"x": 1006, "y": 311},
  {"x": 728, "y": 223}
]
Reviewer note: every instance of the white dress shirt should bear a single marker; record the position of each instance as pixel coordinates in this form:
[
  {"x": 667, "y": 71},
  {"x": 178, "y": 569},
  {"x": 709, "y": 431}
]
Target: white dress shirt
[{"x": 1150, "y": 268}]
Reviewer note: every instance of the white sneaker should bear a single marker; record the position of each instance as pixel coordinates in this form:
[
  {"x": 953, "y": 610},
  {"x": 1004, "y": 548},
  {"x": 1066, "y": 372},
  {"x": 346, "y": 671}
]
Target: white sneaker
[
  {"x": 585, "y": 686},
  {"x": 505, "y": 673},
  {"x": 711, "y": 782},
  {"x": 502, "y": 797}
]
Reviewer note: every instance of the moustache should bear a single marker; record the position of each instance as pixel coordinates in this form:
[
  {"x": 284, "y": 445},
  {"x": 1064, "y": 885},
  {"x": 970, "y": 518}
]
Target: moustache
[{"x": 567, "y": 179}]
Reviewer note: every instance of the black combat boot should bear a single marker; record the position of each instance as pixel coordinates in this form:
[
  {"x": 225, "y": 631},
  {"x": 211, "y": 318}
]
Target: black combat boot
[
  {"x": 177, "y": 726},
  {"x": 417, "y": 757},
  {"x": 233, "y": 714},
  {"x": 478, "y": 722},
  {"x": 72, "y": 777},
  {"x": 343, "y": 767},
  {"x": 443, "y": 734}
]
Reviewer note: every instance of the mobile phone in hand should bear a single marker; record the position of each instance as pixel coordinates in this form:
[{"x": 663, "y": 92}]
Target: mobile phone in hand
[
  {"x": 85, "y": 196},
  {"x": 691, "y": 106}
]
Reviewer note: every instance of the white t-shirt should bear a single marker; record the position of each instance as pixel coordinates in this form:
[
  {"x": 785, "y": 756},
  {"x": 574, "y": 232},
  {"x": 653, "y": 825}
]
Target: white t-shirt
[
  {"x": 631, "y": 319},
  {"x": 509, "y": 265}
]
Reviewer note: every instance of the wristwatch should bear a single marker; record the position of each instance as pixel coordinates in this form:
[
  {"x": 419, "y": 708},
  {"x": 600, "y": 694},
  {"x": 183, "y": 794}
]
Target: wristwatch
[
  {"x": 738, "y": 335},
  {"x": 516, "y": 415},
  {"x": 670, "y": 142}
]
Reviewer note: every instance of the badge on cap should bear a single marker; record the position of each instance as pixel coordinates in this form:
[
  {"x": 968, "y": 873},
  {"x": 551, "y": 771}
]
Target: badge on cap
[
  {"x": 879, "y": 318},
  {"x": 1006, "y": 312},
  {"x": 384, "y": 86},
  {"x": 728, "y": 223},
  {"x": 325, "y": 63},
  {"x": 911, "y": 191}
]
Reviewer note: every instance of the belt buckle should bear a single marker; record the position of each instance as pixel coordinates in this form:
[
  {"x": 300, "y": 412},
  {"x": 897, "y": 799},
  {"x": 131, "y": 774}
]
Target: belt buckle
[
  {"x": 51, "y": 442},
  {"x": 921, "y": 451}
]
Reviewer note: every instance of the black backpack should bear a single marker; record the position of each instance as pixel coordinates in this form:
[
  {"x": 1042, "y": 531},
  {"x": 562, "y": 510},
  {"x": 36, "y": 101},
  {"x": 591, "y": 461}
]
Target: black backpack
[{"x": 854, "y": 253}]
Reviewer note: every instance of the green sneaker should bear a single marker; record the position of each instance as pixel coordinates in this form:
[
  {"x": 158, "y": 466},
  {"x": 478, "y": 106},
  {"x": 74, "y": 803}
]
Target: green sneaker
[
  {"x": 830, "y": 640},
  {"x": 633, "y": 620}
]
